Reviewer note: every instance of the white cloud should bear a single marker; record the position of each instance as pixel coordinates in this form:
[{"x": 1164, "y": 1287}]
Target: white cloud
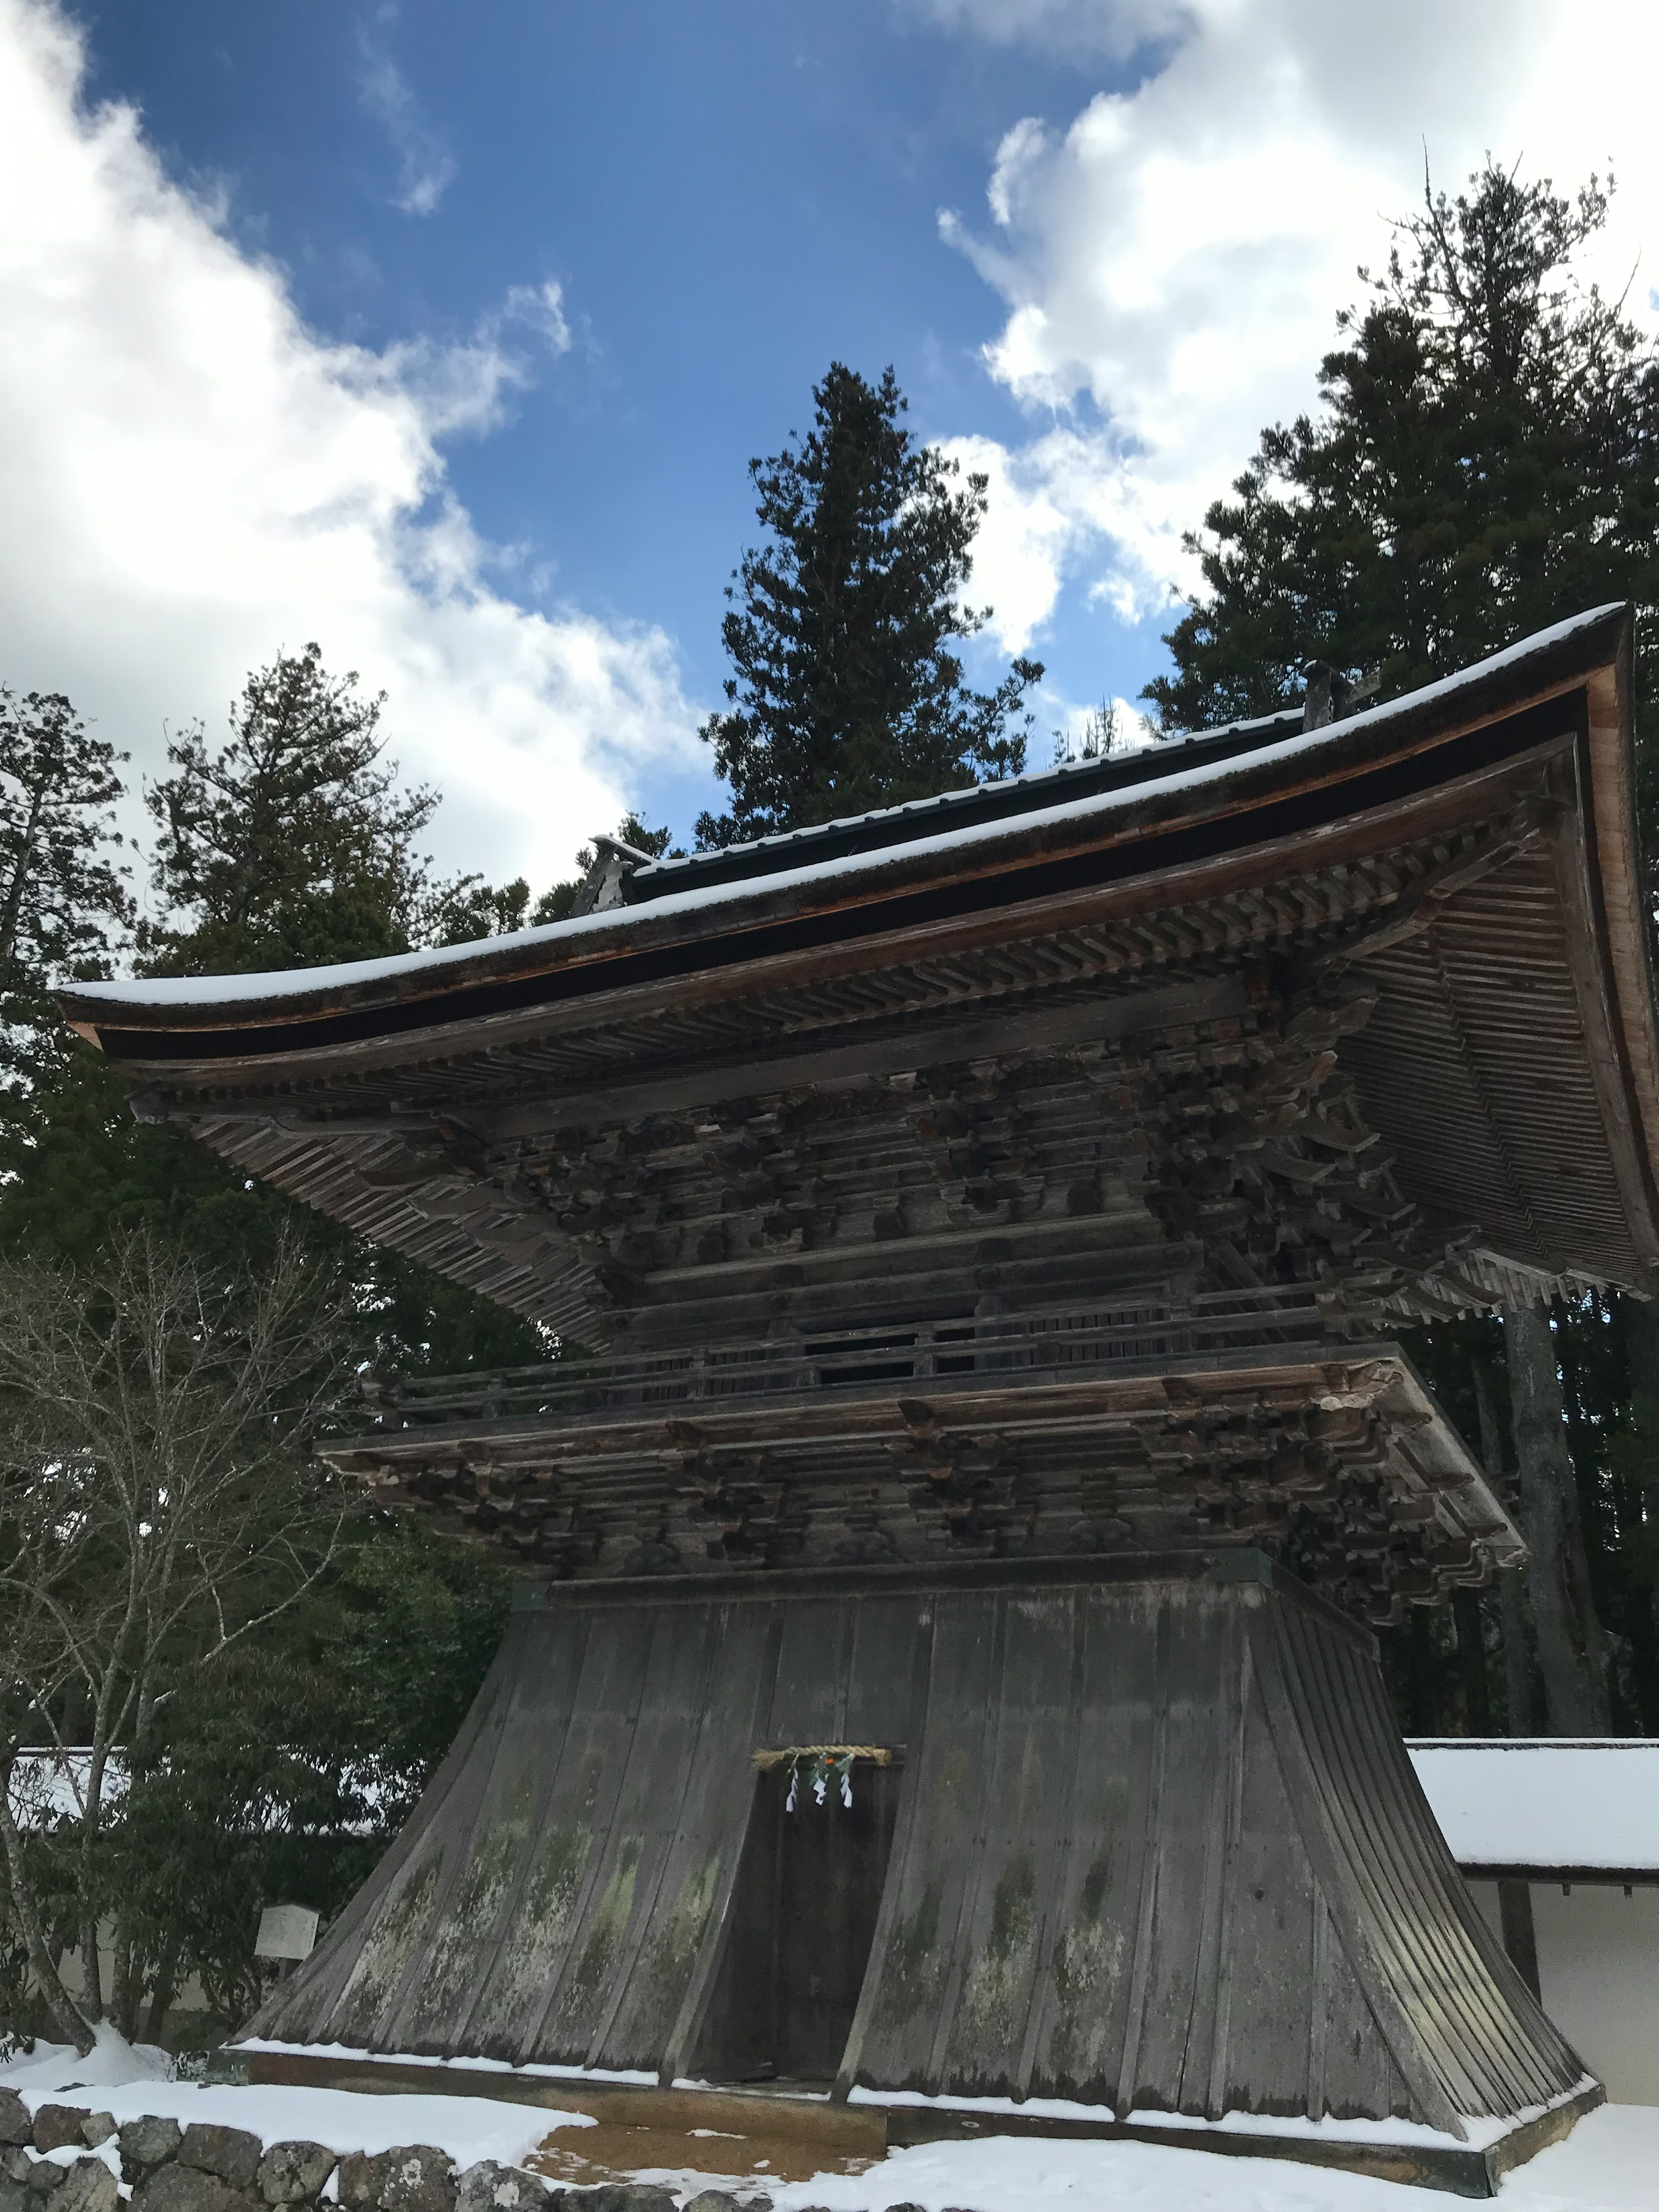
[
  {"x": 426, "y": 168},
  {"x": 190, "y": 479},
  {"x": 1079, "y": 733},
  {"x": 1078, "y": 28},
  {"x": 1171, "y": 260},
  {"x": 465, "y": 387}
]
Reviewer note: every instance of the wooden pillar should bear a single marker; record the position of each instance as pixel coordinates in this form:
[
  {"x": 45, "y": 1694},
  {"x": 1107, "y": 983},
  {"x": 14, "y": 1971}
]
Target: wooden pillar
[{"x": 1519, "y": 1937}]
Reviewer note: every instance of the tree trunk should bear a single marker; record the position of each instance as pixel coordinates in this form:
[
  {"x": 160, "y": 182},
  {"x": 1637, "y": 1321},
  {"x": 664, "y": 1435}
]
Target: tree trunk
[
  {"x": 60, "y": 2006},
  {"x": 1472, "y": 1662},
  {"x": 1421, "y": 1718},
  {"x": 123, "y": 1992},
  {"x": 92, "y": 1972},
  {"x": 1519, "y": 1716},
  {"x": 1514, "y": 1625},
  {"x": 1571, "y": 1645},
  {"x": 161, "y": 1990}
]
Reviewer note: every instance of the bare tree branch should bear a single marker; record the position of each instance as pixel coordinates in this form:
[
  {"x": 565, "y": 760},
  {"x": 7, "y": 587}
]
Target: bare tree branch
[{"x": 159, "y": 1502}]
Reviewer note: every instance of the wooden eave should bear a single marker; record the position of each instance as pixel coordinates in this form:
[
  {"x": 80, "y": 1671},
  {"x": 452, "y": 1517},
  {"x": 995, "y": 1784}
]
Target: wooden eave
[
  {"x": 1514, "y": 1050},
  {"x": 1147, "y": 836},
  {"x": 1111, "y": 1458}
]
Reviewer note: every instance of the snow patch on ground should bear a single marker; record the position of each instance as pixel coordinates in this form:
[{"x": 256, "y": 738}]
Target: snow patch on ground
[
  {"x": 1606, "y": 2164},
  {"x": 111, "y": 2061},
  {"x": 467, "y": 2127}
]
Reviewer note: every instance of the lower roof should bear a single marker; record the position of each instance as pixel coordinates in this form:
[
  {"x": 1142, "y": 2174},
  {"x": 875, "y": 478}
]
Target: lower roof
[{"x": 1548, "y": 1805}]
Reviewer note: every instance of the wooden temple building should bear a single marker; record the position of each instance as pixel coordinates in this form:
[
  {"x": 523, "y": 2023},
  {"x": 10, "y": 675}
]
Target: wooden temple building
[{"x": 976, "y": 1237}]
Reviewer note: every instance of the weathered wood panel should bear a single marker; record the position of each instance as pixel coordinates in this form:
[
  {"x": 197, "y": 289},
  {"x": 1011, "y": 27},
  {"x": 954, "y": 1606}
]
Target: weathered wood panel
[
  {"x": 348, "y": 1976},
  {"x": 672, "y": 1917},
  {"x": 1158, "y": 1847},
  {"x": 536, "y": 1905}
]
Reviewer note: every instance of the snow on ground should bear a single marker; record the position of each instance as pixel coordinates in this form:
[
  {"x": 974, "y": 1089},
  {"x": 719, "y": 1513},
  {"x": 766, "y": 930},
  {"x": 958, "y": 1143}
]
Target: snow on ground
[
  {"x": 1609, "y": 2162},
  {"x": 122, "y": 2080},
  {"x": 112, "y": 2060}
]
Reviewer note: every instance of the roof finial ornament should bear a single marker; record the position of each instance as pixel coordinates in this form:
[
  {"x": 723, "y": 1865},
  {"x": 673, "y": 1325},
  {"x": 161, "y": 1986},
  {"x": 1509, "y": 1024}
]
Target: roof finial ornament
[
  {"x": 612, "y": 864},
  {"x": 1319, "y": 700}
]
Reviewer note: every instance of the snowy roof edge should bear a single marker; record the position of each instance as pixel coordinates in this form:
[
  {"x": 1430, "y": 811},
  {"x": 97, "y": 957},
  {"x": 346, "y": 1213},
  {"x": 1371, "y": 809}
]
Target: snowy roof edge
[
  {"x": 94, "y": 1003},
  {"x": 1548, "y": 1807}
]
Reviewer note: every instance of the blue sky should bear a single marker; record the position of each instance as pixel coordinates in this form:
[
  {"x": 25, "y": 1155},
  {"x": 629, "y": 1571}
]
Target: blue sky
[
  {"x": 444, "y": 335},
  {"x": 728, "y": 198}
]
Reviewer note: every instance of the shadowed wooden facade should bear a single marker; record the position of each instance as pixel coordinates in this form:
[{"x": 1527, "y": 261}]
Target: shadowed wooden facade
[{"x": 985, "y": 1226}]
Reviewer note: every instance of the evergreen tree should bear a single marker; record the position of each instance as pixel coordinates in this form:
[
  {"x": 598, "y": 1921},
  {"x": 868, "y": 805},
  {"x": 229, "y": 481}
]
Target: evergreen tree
[
  {"x": 847, "y": 693},
  {"x": 291, "y": 844},
  {"x": 64, "y": 906},
  {"x": 1485, "y": 461}
]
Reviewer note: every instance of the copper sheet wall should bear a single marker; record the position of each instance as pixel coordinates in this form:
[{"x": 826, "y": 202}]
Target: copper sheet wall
[{"x": 1157, "y": 1845}]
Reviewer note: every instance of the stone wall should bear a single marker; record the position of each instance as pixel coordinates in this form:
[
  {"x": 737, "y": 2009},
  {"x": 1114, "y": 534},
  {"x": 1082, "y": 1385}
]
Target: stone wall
[{"x": 68, "y": 2158}]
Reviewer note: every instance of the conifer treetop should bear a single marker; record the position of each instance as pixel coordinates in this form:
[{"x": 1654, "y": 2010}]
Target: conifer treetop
[{"x": 846, "y": 693}]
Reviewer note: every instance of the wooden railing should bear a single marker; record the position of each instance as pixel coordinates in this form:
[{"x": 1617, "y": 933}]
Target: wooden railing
[{"x": 1048, "y": 1342}]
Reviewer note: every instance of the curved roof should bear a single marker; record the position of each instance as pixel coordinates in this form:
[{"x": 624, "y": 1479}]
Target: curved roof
[
  {"x": 1464, "y": 856},
  {"x": 1132, "y": 805}
]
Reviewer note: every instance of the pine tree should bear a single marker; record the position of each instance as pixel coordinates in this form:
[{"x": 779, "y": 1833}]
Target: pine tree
[
  {"x": 291, "y": 844},
  {"x": 1483, "y": 462},
  {"x": 847, "y": 693},
  {"x": 66, "y": 908}
]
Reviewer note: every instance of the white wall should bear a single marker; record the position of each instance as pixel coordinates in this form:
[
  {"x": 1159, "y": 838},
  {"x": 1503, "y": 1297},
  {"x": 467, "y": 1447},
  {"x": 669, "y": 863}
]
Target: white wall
[{"x": 1598, "y": 1969}]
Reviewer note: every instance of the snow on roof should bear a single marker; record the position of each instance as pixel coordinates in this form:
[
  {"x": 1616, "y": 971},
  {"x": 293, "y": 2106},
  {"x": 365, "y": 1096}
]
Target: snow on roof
[
  {"x": 1551, "y": 1802},
  {"x": 227, "y": 991},
  {"x": 1021, "y": 793}
]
